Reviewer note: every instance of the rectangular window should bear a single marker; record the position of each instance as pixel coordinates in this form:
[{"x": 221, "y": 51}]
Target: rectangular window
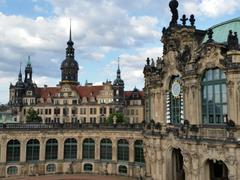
[{"x": 93, "y": 111}]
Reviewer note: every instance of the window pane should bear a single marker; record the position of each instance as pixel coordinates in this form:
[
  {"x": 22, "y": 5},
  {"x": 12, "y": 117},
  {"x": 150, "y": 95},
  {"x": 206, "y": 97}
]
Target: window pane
[{"x": 217, "y": 94}]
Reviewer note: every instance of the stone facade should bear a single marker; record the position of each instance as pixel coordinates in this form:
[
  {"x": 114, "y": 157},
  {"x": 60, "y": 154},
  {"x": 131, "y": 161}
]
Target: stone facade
[
  {"x": 199, "y": 132},
  {"x": 76, "y": 165}
]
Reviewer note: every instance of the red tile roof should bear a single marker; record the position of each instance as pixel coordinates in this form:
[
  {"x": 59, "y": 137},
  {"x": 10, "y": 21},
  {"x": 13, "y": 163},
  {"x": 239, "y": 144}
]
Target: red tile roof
[{"x": 129, "y": 93}]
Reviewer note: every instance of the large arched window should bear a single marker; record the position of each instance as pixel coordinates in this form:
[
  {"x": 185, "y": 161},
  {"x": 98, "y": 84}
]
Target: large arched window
[
  {"x": 32, "y": 151},
  {"x": 106, "y": 149},
  {"x": 70, "y": 149},
  {"x": 88, "y": 148},
  {"x": 51, "y": 149},
  {"x": 123, "y": 150},
  {"x": 138, "y": 151},
  {"x": 175, "y": 101},
  {"x": 214, "y": 97},
  {"x": 13, "y": 151}
]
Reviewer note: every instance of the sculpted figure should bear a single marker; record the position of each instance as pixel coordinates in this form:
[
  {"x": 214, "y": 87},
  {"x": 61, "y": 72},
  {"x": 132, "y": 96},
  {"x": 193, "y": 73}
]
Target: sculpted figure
[{"x": 173, "y": 6}]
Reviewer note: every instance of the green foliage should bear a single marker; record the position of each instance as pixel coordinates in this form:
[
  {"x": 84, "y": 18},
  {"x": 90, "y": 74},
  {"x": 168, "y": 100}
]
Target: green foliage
[
  {"x": 32, "y": 116},
  {"x": 119, "y": 118}
]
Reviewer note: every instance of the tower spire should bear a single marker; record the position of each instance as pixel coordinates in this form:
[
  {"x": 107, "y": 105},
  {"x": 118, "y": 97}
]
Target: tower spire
[
  {"x": 70, "y": 33},
  {"x": 70, "y": 42},
  {"x": 29, "y": 60},
  {"x": 20, "y": 73},
  {"x": 118, "y": 70}
]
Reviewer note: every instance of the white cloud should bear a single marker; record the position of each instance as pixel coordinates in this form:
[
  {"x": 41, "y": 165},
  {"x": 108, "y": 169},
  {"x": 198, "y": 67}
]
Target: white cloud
[
  {"x": 132, "y": 66},
  {"x": 211, "y": 8}
]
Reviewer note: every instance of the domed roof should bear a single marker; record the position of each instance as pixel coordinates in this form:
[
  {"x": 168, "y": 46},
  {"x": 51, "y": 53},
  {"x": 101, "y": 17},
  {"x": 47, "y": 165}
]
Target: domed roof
[
  {"x": 221, "y": 31},
  {"x": 69, "y": 63},
  {"x": 20, "y": 85},
  {"x": 118, "y": 82}
]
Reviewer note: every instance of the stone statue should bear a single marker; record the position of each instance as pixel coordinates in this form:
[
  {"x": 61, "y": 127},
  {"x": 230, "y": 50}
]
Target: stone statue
[
  {"x": 173, "y": 6},
  {"x": 184, "y": 20},
  {"x": 232, "y": 41},
  {"x": 192, "y": 20}
]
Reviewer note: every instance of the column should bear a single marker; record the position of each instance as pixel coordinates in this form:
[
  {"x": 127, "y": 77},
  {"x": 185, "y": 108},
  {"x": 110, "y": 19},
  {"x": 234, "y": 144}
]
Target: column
[{"x": 23, "y": 145}]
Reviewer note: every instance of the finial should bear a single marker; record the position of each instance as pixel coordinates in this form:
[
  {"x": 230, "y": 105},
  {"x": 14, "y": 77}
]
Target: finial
[
  {"x": 210, "y": 35},
  {"x": 173, "y": 6}
]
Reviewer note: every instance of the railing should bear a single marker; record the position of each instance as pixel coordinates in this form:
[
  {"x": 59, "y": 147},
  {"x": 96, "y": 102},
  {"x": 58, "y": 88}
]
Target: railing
[{"x": 76, "y": 126}]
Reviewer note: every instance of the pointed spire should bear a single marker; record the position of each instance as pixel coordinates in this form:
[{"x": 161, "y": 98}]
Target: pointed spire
[
  {"x": 70, "y": 42},
  {"x": 70, "y": 49},
  {"x": 29, "y": 60},
  {"x": 70, "y": 33},
  {"x": 118, "y": 70},
  {"x": 20, "y": 73}
]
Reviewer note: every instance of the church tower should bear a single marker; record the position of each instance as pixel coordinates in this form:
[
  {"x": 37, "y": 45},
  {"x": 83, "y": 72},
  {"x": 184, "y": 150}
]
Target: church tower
[
  {"x": 19, "y": 90},
  {"x": 118, "y": 91},
  {"x": 69, "y": 67}
]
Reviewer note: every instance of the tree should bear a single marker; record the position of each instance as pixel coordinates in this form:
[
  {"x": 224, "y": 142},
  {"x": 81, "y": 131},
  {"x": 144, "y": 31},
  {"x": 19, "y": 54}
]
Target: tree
[
  {"x": 32, "y": 116},
  {"x": 119, "y": 118}
]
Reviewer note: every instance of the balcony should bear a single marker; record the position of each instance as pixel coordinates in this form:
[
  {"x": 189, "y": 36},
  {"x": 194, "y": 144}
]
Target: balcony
[
  {"x": 211, "y": 133},
  {"x": 66, "y": 126}
]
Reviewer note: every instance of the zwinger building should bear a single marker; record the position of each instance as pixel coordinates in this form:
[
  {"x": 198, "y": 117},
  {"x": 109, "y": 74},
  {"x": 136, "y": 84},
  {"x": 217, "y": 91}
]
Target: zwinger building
[{"x": 191, "y": 127}]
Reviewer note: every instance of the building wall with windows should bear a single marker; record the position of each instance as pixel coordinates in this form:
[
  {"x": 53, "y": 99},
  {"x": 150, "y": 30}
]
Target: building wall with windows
[{"x": 30, "y": 151}]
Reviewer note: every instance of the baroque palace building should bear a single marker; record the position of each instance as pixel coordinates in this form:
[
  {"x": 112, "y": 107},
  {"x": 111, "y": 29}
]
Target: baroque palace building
[{"x": 191, "y": 127}]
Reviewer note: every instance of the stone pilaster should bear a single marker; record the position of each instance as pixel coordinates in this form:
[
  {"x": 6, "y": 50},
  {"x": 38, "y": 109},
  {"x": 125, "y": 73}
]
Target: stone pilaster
[
  {"x": 60, "y": 148},
  {"x": 79, "y": 145},
  {"x": 42, "y": 149},
  {"x": 23, "y": 146}
]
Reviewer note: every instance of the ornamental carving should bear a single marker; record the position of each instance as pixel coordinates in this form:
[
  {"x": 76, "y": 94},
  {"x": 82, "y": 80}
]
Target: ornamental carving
[{"x": 231, "y": 160}]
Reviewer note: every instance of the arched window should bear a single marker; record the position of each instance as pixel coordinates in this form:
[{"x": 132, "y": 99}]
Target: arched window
[
  {"x": 70, "y": 149},
  {"x": 51, "y": 149},
  {"x": 122, "y": 169},
  {"x": 88, "y": 148},
  {"x": 106, "y": 149},
  {"x": 32, "y": 150},
  {"x": 13, "y": 151},
  {"x": 138, "y": 151},
  {"x": 214, "y": 97},
  {"x": 175, "y": 102},
  {"x": 12, "y": 170},
  {"x": 123, "y": 150}
]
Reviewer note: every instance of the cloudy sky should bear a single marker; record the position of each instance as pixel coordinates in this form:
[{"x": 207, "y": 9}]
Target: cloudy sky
[{"x": 103, "y": 30}]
